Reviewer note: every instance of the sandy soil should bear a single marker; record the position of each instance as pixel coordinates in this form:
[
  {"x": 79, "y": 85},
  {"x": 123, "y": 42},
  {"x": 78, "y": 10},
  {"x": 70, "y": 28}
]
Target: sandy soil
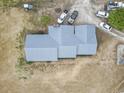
[{"x": 87, "y": 74}]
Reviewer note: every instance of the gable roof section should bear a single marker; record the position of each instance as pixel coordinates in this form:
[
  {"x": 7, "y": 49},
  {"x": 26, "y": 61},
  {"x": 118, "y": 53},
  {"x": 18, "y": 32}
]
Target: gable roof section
[
  {"x": 64, "y": 35},
  {"x": 66, "y": 39},
  {"x": 70, "y": 40},
  {"x": 81, "y": 32},
  {"x": 55, "y": 33},
  {"x": 86, "y": 33},
  {"x": 41, "y": 48},
  {"x": 40, "y": 41},
  {"x": 67, "y": 52},
  {"x": 91, "y": 35},
  {"x": 41, "y": 54},
  {"x": 86, "y": 49}
]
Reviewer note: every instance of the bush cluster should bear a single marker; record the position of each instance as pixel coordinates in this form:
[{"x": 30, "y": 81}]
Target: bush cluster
[{"x": 116, "y": 19}]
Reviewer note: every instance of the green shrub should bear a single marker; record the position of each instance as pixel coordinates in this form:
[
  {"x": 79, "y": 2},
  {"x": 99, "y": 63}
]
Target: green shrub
[
  {"x": 46, "y": 20},
  {"x": 8, "y": 3},
  {"x": 116, "y": 19},
  {"x": 22, "y": 61}
]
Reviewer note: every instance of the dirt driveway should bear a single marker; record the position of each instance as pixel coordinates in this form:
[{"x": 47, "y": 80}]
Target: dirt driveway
[
  {"x": 87, "y": 10},
  {"x": 86, "y": 74}
]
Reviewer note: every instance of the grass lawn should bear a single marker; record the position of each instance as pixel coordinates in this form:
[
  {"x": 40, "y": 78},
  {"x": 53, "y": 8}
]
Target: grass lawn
[{"x": 116, "y": 19}]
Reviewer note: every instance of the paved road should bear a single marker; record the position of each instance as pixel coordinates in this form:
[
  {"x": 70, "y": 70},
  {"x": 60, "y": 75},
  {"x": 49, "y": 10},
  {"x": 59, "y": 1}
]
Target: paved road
[{"x": 87, "y": 10}]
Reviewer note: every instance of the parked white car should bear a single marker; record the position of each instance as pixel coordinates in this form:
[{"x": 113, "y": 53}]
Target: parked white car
[
  {"x": 105, "y": 26},
  {"x": 62, "y": 17},
  {"x": 113, "y": 5},
  {"x": 102, "y": 14},
  {"x": 120, "y": 4}
]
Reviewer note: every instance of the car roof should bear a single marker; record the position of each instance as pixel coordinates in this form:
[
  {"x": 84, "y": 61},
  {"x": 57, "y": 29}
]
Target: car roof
[
  {"x": 62, "y": 15},
  {"x": 101, "y": 12},
  {"x": 106, "y": 26},
  {"x": 74, "y": 14}
]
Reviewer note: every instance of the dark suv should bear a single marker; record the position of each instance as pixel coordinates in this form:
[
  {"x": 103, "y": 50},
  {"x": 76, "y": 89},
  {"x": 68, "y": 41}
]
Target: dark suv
[{"x": 73, "y": 17}]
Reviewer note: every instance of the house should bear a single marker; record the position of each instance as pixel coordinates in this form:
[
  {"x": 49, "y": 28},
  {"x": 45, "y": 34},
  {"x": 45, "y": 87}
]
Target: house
[{"x": 64, "y": 41}]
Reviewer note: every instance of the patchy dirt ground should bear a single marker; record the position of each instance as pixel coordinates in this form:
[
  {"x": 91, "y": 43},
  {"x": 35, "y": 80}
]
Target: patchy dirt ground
[{"x": 87, "y": 74}]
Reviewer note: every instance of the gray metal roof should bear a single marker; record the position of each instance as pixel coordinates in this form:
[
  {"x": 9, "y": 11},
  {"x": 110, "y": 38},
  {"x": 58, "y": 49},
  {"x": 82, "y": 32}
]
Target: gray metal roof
[
  {"x": 91, "y": 34},
  {"x": 86, "y": 33},
  {"x": 81, "y": 32},
  {"x": 60, "y": 33},
  {"x": 67, "y": 52},
  {"x": 70, "y": 40},
  {"x": 64, "y": 41},
  {"x": 41, "y": 54},
  {"x": 40, "y": 41},
  {"x": 87, "y": 49},
  {"x": 40, "y": 48},
  {"x": 64, "y": 35}
]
